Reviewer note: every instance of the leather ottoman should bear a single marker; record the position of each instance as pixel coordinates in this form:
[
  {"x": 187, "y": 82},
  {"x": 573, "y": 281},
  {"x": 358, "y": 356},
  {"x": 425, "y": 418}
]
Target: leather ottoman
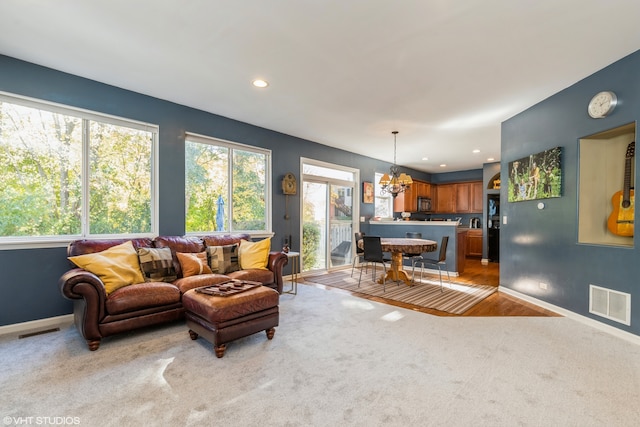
[{"x": 222, "y": 319}]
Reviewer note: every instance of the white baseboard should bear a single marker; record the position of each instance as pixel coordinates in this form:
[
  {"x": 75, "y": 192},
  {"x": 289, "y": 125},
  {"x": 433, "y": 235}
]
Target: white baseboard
[
  {"x": 484, "y": 261},
  {"x": 635, "y": 339},
  {"x": 35, "y": 325}
]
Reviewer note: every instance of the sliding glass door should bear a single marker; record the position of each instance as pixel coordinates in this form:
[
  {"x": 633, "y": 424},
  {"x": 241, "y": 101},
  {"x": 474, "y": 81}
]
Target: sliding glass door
[{"x": 327, "y": 215}]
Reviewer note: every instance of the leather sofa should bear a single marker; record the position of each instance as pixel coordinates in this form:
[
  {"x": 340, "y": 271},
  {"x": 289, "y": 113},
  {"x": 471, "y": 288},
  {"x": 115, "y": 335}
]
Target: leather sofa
[{"x": 98, "y": 315}]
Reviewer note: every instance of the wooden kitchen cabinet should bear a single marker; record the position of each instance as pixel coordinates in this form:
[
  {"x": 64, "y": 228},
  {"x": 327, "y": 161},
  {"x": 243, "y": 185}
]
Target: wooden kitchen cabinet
[
  {"x": 405, "y": 202},
  {"x": 461, "y": 250},
  {"x": 408, "y": 201},
  {"x": 463, "y": 197},
  {"x": 423, "y": 189},
  {"x": 446, "y": 200},
  {"x": 477, "y": 202},
  {"x": 474, "y": 242}
]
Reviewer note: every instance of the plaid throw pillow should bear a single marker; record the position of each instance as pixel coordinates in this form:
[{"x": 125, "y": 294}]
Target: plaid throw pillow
[
  {"x": 223, "y": 259},
  {"x": 156, "y": 264}
]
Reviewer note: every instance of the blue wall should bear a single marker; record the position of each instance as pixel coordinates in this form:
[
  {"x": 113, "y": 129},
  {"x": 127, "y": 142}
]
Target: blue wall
[
  {"x": 541, "y": 245},
  {"x": 459, "y": 176},
  {"x": 29, "y": 286}
]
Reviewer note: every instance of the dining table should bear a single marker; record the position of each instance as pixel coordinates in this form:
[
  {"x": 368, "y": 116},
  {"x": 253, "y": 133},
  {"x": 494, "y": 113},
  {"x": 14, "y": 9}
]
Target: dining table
[{"x": 399, "y": 246}]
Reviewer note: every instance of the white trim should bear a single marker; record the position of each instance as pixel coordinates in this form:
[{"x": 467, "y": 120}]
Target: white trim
[
  {"x": 268, "y": 181},
  {"x": 34, "y": 325},
  {"x": 81, "y": 113},
  {"x": 86, "y": 116},
  {"x": 326, "y": 180},
  {"x": 627, "y": 336}
]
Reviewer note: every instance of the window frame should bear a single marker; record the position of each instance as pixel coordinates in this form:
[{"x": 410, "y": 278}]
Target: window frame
[
  {"x": 87, "y": 116},
  {"x": 232, "y": 145},
  {"x": 378, "y": 196}
]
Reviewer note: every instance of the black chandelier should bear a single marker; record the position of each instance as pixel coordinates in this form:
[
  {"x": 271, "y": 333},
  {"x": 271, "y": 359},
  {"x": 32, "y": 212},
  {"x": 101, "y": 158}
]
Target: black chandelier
[{"x": 394, "y": 182}]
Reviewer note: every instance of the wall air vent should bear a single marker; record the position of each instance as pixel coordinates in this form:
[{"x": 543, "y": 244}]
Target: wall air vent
[{"x": 610, "y": 304}]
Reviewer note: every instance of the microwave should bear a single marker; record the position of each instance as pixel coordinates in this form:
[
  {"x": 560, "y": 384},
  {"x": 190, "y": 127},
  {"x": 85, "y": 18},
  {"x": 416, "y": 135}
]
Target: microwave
[{"x": 424, "y": 204}]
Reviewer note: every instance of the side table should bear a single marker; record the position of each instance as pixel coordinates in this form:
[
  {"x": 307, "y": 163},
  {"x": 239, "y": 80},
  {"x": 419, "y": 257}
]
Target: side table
[{"x": 294, "y": 257}]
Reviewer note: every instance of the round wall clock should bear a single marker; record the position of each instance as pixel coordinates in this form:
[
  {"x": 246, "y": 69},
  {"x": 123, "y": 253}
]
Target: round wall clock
[
  {"x": 602, "y": 104},
  {"x": 289, "y": 185}
]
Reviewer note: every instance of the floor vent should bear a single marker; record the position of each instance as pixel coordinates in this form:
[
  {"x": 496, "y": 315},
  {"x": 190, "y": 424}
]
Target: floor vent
[
  {"x": 610, "y": 304},
  {"x": 32, "y": 334}
]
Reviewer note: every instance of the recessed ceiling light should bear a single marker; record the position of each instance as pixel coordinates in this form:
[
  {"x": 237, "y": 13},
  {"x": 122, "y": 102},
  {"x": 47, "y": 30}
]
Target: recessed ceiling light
[
  {"x": 490, "y": 159},
  {"x": 476, "y": 151},
  {"x": 425, "y": 158},
  {"x": 260, "y": 83},
  {"x": 443, "y": 165}
]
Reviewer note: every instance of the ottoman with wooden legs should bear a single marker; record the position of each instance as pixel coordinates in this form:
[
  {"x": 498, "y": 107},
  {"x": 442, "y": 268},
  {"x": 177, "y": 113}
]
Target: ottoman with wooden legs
[{"x": 222, "y": 319}]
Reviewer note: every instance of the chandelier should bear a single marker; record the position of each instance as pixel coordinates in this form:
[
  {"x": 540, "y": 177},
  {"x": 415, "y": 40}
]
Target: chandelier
[{"x": 398, "y": 182}]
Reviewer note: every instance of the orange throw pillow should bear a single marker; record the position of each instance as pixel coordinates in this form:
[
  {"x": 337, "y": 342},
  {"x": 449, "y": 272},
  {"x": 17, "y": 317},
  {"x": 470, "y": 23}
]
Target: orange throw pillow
[{"x": 193, "y": 264}]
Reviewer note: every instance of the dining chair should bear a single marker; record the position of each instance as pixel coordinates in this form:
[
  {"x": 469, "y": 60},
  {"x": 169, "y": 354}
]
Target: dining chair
[
  {"x": 373, "y": 254},
  {"x": 359, "y": 252},
  {"x": 440, "y": 262},
  {"x": 412, "y": 257}
]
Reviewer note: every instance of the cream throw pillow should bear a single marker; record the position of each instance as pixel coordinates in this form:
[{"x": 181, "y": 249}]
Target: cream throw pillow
[
  {"x": 117, "y": 266},
  {"x": 254, "y": 254}
]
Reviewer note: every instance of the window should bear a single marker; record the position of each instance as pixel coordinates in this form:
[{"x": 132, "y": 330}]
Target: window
[
  {"x": 226, "y": 186},
  {"x": 383, "y": 203},
  {"x": 69, "y": 173}
]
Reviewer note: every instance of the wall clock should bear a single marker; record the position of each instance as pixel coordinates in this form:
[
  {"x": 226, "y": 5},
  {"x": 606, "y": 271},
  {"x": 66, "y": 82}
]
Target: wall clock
[
  {"x": 602, "y": 104},
  {"x": 289, "y": 185}
]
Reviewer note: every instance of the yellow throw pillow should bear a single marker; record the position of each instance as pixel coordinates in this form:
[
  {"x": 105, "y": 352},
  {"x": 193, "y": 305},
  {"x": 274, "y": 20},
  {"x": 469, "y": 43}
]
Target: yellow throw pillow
[
  {"x": 193, "y": 264},
  {"x": 117, "y": 266},
  {"x": 254, "y": 254}
]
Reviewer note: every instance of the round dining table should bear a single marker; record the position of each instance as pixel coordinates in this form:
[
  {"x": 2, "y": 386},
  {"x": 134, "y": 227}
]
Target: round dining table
[{"x": 399, "y": 246}]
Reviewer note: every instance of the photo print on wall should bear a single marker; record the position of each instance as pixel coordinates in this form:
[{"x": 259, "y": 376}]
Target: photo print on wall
[{"x": 538, "y": 176}]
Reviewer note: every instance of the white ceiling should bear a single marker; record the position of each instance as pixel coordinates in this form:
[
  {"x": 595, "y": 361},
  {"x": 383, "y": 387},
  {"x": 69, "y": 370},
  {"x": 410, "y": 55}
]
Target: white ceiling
[{"x": 344, "y": 73}]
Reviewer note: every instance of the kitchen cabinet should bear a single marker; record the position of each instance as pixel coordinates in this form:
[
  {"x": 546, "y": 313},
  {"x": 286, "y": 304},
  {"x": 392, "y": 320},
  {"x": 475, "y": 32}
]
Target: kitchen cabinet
[
  {"x": 422, "y": 189},
  {"x": 474, "y": 242},
  {"x": 408, "y": 201},
  {"x": 477, "y": 202},
  {"x": 461, "y": 249},
  {"x": 461, "y": 197},
  {"x": 446, "y": 198},
  {"x": 405, "y": 202}
]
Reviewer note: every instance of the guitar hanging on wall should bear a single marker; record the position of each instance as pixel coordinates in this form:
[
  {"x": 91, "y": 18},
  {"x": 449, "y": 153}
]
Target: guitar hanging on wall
[{"x": 620, "y": 221}]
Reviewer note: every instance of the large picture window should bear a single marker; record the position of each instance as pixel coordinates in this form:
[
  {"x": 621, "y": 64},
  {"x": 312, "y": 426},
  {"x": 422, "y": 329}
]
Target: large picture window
[
  {"x": 68, "y": 173},
  {"x": 226, "y": 186}
]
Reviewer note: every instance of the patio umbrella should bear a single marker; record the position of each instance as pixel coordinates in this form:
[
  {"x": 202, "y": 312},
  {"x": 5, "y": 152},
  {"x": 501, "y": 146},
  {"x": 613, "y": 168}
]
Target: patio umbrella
[{"x": 220, "y": 214}]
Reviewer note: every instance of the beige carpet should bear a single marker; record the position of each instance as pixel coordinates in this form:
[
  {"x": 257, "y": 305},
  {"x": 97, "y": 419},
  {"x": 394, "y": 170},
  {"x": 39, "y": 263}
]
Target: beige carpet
[
  {"x": 456, "y": 297},
  {"x": 335, "y": 360}
]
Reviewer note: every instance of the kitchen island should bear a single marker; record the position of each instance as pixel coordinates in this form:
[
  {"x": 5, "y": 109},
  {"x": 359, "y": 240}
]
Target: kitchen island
[{"x": 431, "y": 230}]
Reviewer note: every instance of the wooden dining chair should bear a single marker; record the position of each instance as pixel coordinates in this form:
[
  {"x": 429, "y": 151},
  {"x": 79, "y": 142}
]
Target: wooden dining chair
[
  {"x": 373, "y": 254},
  {"x": 440, "y": 262}
]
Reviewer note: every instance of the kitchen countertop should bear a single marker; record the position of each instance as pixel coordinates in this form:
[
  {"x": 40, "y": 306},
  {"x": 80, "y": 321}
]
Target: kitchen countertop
[{"x": 434, "y": 223}]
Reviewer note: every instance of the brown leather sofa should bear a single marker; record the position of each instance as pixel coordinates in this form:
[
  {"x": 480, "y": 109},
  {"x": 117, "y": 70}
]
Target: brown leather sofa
[{"x": 98, "y": 315}]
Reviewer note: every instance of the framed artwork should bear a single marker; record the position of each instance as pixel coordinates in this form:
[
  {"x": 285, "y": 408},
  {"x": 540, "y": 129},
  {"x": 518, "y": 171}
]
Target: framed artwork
[
  {"x": 538, "y": 176},
  {"x": 367, "y": 192}
]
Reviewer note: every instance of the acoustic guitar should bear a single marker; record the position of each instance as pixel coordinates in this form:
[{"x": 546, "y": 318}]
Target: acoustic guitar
[{"x": 620, "y": 221}]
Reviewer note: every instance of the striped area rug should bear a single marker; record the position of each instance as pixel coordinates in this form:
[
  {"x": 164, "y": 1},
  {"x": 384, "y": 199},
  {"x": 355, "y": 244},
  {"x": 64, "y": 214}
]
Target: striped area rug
[{"x": 456, "y": 298}]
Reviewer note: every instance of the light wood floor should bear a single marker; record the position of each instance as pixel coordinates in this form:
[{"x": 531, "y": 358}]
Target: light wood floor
[{"x": 497, "y": 304}]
